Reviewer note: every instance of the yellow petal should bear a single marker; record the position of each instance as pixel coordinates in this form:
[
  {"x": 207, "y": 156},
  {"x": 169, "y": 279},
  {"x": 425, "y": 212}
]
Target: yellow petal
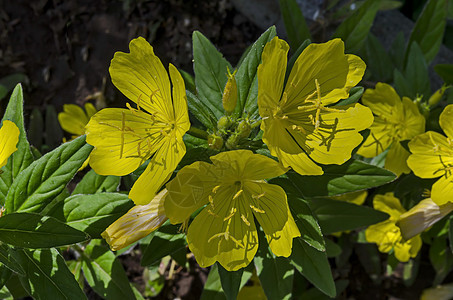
[
  {"x": 395, "y": 160},
  {"x": 442, "y": 190},
  {"x": 407, "y": 249},
  {"x": 189, "y": 191},
  {"x": 414, "y": 122},
  {"x": 431, "y": 155},
  {"x": 446, "y": 121},
  {"x": 388, "y": 204},
  {"x": 137, "y": 223},
  {"x": 383, "y": 101},
  {"x": 335, "y": 72},
  {"x": 123, "y": 140},
  {"x": 270, "y": 208},
  {"x": 73, "y": 119},
  {"x": 384, "y": 234},
  {"x": 179, "y": 101},
  {"x": 158, "y": 171},
  {"x": 90, "y": 110},
  {"x": 9, "y": 137},
  {"x": 300, "y": 162},
  {"x": 141, "y": 77},
  {"x": 231, "y": 242},
  {"x": 271, "y": 75},
  {"x": 358, "y": 197},
  {"x": 422, "y": 216},
  {"x": 378, "y": 140}
]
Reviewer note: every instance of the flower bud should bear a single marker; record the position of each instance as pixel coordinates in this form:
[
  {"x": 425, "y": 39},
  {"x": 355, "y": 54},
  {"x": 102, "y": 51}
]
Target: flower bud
[
  {"x": 230, "y": 93},
  {"x": 437, "y": 96},
  {"x": 244, "y": 129},
  {"x": 215, "y": 142},
  {"x": 223, "y": 123}
]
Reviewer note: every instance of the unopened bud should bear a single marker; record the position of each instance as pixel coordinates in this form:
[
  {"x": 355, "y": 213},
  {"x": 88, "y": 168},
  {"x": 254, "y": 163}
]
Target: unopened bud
[
  {"x": 215, "y": 142},
  {"x": 437, "y": 96},
  {"x": 223, "y": 123},
  {"x": 230, "y": 93},
  {"x": 244, "y": 129}
]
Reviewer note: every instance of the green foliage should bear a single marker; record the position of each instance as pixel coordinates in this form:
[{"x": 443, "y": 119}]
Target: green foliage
[{"x": 295, "y": 24}]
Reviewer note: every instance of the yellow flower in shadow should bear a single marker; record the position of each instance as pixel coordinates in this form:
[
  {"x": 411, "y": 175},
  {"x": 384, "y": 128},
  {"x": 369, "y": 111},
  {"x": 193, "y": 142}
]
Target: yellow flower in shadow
[
  {"x": 432, "y": 157},
  {"x": 395, "y": 120},
  {"x": 387, "y": 235},
  {"x": 125, "y": 138},
  {"x": 301, "y": 127},
  {"x": 73, "y": 119}
]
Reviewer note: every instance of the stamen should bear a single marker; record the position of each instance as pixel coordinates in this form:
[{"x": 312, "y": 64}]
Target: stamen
[
  {"x": 214, "y": 190},
  {"x": 238, "y": 194},
  {"x": 244, "y": 219},
  {"x": 436, "y": 146},
  {"x": 258, "y": 196},
  {"x": 257, "y": 209},
  {"x": 232, "y": 213}
]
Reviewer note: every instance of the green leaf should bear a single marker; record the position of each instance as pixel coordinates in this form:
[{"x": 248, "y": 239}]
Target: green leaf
[
  {"x": 351, "y": 176},
  {"x": 48, "y": 277},
  {"x": 36, "y": 129},
  {"x": 47, "y": 177},
  {"x": 104, "y": 273},
  {"x": 378, "y": 62},
  {"x": 295, "y": 24},
  {"x": 247, "y": 75},
  {"x": 397, "y": 51},
  {"x": 54, "y": 133},
  {"x": 213, "y": 288},
  {"x": 276, "y": 274},
  {"x": 354, "y": 96},
  {"x": 7, "y": 83},
  {"x": 445, "y": 71},
  {"x": 313, "y": 264},
  {"x": 8, "y": 257},
  {"x": 189, "y": 81},
  {"x": 334, "y": 215},
  {"x": 166, "y": 241},
  {"x": 230, "y": 281},
  {"x": 416, "y": 73},
  {"x": 29, "y": 230},
  {"x": 332, "y": 249},
  {"x": 201, "y": 112},
  {"x": 429, "y": 29},
  {"x": 93, "y": 183},
  {"x": 5, "y": 275},
  {"x": 210, "y": 68},
  {"x": 91, "y": 213},
  {"x": 23, "y": 157},
  {"x": 355, "y": 28}
]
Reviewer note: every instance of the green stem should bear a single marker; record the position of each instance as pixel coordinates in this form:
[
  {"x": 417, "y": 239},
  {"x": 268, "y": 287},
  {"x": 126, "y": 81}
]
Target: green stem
[
  {"x": 198, "y": 133},
  {"x": 256, "y": 124}
]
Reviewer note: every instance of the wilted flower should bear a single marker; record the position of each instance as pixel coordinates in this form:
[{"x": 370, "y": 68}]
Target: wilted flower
[
  {"x": 300, "y": 125},
  {"x": 125, "y": 138},
  {"x": 394, "y": 121},
  {"x": 432, "y": 156},
  {"x": 387, "y": 235}
]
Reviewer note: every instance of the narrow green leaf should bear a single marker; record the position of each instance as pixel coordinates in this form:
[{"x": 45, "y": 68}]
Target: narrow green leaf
[
  {"x": 397, "y": 51},
  {"x": 7, "y": 83},
  {"x": 210, "y": 68},
  {"x": 47, "y": 177},
  {"x": 48, "y": 277},
  {"x": 352, "y": 176},
  {"x": 5, "y": 275},
  {"x": 93, "y": 183},
  {"x": 332, "y": 249},
  {"x": 295, "y": 24},
  {"x": 334, "y": 215},
  {"x": 246, "y": 76},
  {"x": 402, "y": 86},
  {"x": 445, "y": 71},
  {"x": 416, "y": 73},
  {"x": 105, "y": 274},
  {"x": 429, "y": 29},
  {"x": 313, "y": 264},
  {"x": 8, "y": 257},
  {"x": 23, "y": 157},
  {"x": 378, "y": 62},
  {"x": 91, "y": 213},
  {"x": 54, "y": 133},
  {"x": 166, "y": 241},
  {"x": 355, "y": 28},
  {"x": 189, "y": 81},
  {"x": 213, "y": 288},
  {"x": 36, "y": 129},
  {"x": 201, "y": 111},
  {"x": 276, "y": 274},
  {"x": 230, "y": 281},
  {"x": 354, "y": 96},
  {"x": 28, "y": 230}
]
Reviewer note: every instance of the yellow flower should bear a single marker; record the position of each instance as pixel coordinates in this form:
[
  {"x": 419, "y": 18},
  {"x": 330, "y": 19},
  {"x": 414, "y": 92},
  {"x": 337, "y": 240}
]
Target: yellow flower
[
  {"x": 432, "y": 156},
  {"x": 125, "y": 138},
  {"x": 9, "y": 137},
  {"x": 300, "y": 127},
  {"x": 422, "y": 216},
  {"x": 137, "y": 223},
  {"x": 73, "y": 119},
  {"x": 235, "y": 194},
  {"x": 387, "y": 235},
  {"x": 394, "y": 121}
]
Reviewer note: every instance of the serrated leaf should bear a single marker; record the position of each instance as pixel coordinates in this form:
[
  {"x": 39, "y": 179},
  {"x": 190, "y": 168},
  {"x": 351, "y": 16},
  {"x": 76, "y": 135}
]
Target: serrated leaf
[
  {"x": 166, "y": 241},
  {"x": 201, "y": 111},
  {"x": 247, "y": 80},
  {"x": 93, "y": 183},
  {"x": 334, "y": 216},
  {"x": 313, "y": 264},
  {"x": 378, "y": 62},
  {"x": 351, "y": 176},
  {"x": 445, "y": 71},
  {"x": 295, "y": 24},
  {"x": 47, "y": 177},
  {"x": 8, "y": 258},
  {"x": 91, "y": 213},
  {"x": 355, "y": 28},
  {"x": 275, "y": 273},
  {"x": 48, "y": 277},
  {"x": 210, "y": 68},
  {"x": 23, "y": 157},
  {"x": 429, "y": 29},
  {"x": 230, "y": 281},
  {"x": 29, "y": 230},
  {"x": 105, "y": 274}
]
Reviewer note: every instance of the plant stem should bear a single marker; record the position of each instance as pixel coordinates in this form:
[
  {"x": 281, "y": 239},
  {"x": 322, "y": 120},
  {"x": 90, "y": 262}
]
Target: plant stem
[{"x": 198, "y": 133}]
